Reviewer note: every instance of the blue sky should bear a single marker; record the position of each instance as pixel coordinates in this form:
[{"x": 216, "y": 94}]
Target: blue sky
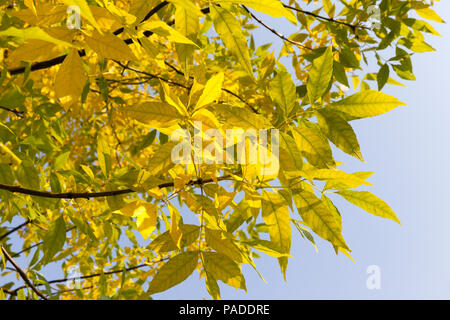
[{"x": 409, "y": 150}]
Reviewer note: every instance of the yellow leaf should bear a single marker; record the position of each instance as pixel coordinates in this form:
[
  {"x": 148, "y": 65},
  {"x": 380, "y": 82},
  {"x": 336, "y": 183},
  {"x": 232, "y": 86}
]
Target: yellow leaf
[
  {"x": 85, "y": 11},
  {"x": 162, "y": 29},
  {"x": 175, "y": 230},
  {"x": 109, "y": 46},
  {"x": 157, "y": 115},
  {"x": 211, "y": 92},
  {"x": 273, "y": 8},
  {"x": 34, "y": 50},
  {"x": 370, "y": 203},
  {"x": 146, "y": 216},
  {"x": 71, "y": 77},
  {"x": 46, "y": 14},
  {"x": 429, "y": 14}
]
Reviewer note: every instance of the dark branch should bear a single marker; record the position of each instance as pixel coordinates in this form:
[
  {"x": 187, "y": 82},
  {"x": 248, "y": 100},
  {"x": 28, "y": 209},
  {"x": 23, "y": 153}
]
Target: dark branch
[
  {"x": 23, "y": 274},
  {"x": 352, "y": 26},
  {"x": 58, "y": 60},
  {"x": 3, "y": 236},
  {"x": 16, "y": 112},
  {"x": 89, "y": 195},
  {"x": 275, "y": 32}
]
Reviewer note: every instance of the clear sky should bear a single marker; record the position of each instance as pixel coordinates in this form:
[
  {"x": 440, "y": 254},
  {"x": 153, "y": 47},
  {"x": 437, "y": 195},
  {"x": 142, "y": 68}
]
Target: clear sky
[{"x": 409, "y": 151}]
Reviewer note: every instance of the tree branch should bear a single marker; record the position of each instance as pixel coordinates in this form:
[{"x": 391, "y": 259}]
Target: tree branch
[
  {"x": 23, "y": 274},
  {"x": 58, "y": 60},
  {"x": 3, "y": 236},
  {"x": 89, "y": 195},
  {"x": 352, "y": 26},
  {"x": 16, "y": 112},
  {"x": 275, "y": 32}
]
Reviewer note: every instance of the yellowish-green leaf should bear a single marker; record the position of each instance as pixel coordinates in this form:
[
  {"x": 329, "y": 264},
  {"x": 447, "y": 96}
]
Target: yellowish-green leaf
[
  {"x": 340, "y": 132},
  {"x": 275, "y": 213},
  {"x": 32, "y": 33},
  {"x": 216, "y": 240},
  {"x": 212, "y": 286},
  {"x": 365, "y": 104},
  {"x": 290, "y": 155},
  {"x": 320, "y": 75},
  {"x": 104, "y": 155},
  {"x": 314, "y": 146},
  {"x": 224, "y": 269},
  {"x": 164, "y": 242},
  {"x": 162, "y": 159},
  {"x": 319, "y": 217},
  {"x": 237, "y": 117},
  {"x": 231, "y": 34},
  {"x": 370, "y": 203},
  {"x": 173, "y": 272},
  {"x": 282, "y": 92}
]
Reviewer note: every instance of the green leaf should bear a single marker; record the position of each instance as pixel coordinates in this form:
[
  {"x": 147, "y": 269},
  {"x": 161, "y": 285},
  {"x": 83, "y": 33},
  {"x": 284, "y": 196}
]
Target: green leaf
[
  {"x": 370, "y": 203},
  {"x": 320, "y": 75},
  {"x": 365, "y": 104},
  {"x": 319, "y": 218},
  {"x": 54, "y": 240},
  {"x": 383, "y": 76},
  {"x": 174, "y": 271}
]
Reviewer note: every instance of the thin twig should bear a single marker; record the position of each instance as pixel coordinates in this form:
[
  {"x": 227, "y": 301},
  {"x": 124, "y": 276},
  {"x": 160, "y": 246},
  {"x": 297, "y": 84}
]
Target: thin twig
[
  {"x": 23, "y": 274},
  {"x": 3, "y": 236},
  {"x": 275, "y": 32},
  {"x": 16, "y": 112},
  {"x": 352, "y": 26}
]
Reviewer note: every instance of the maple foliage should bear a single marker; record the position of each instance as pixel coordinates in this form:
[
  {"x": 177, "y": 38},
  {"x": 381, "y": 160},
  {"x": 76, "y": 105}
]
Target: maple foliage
[{"x": 88, "y": 114}]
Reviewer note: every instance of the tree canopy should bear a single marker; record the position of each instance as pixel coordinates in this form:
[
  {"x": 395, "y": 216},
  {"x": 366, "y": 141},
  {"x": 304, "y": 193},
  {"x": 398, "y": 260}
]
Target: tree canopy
[{"x": 99, "y": 97}]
